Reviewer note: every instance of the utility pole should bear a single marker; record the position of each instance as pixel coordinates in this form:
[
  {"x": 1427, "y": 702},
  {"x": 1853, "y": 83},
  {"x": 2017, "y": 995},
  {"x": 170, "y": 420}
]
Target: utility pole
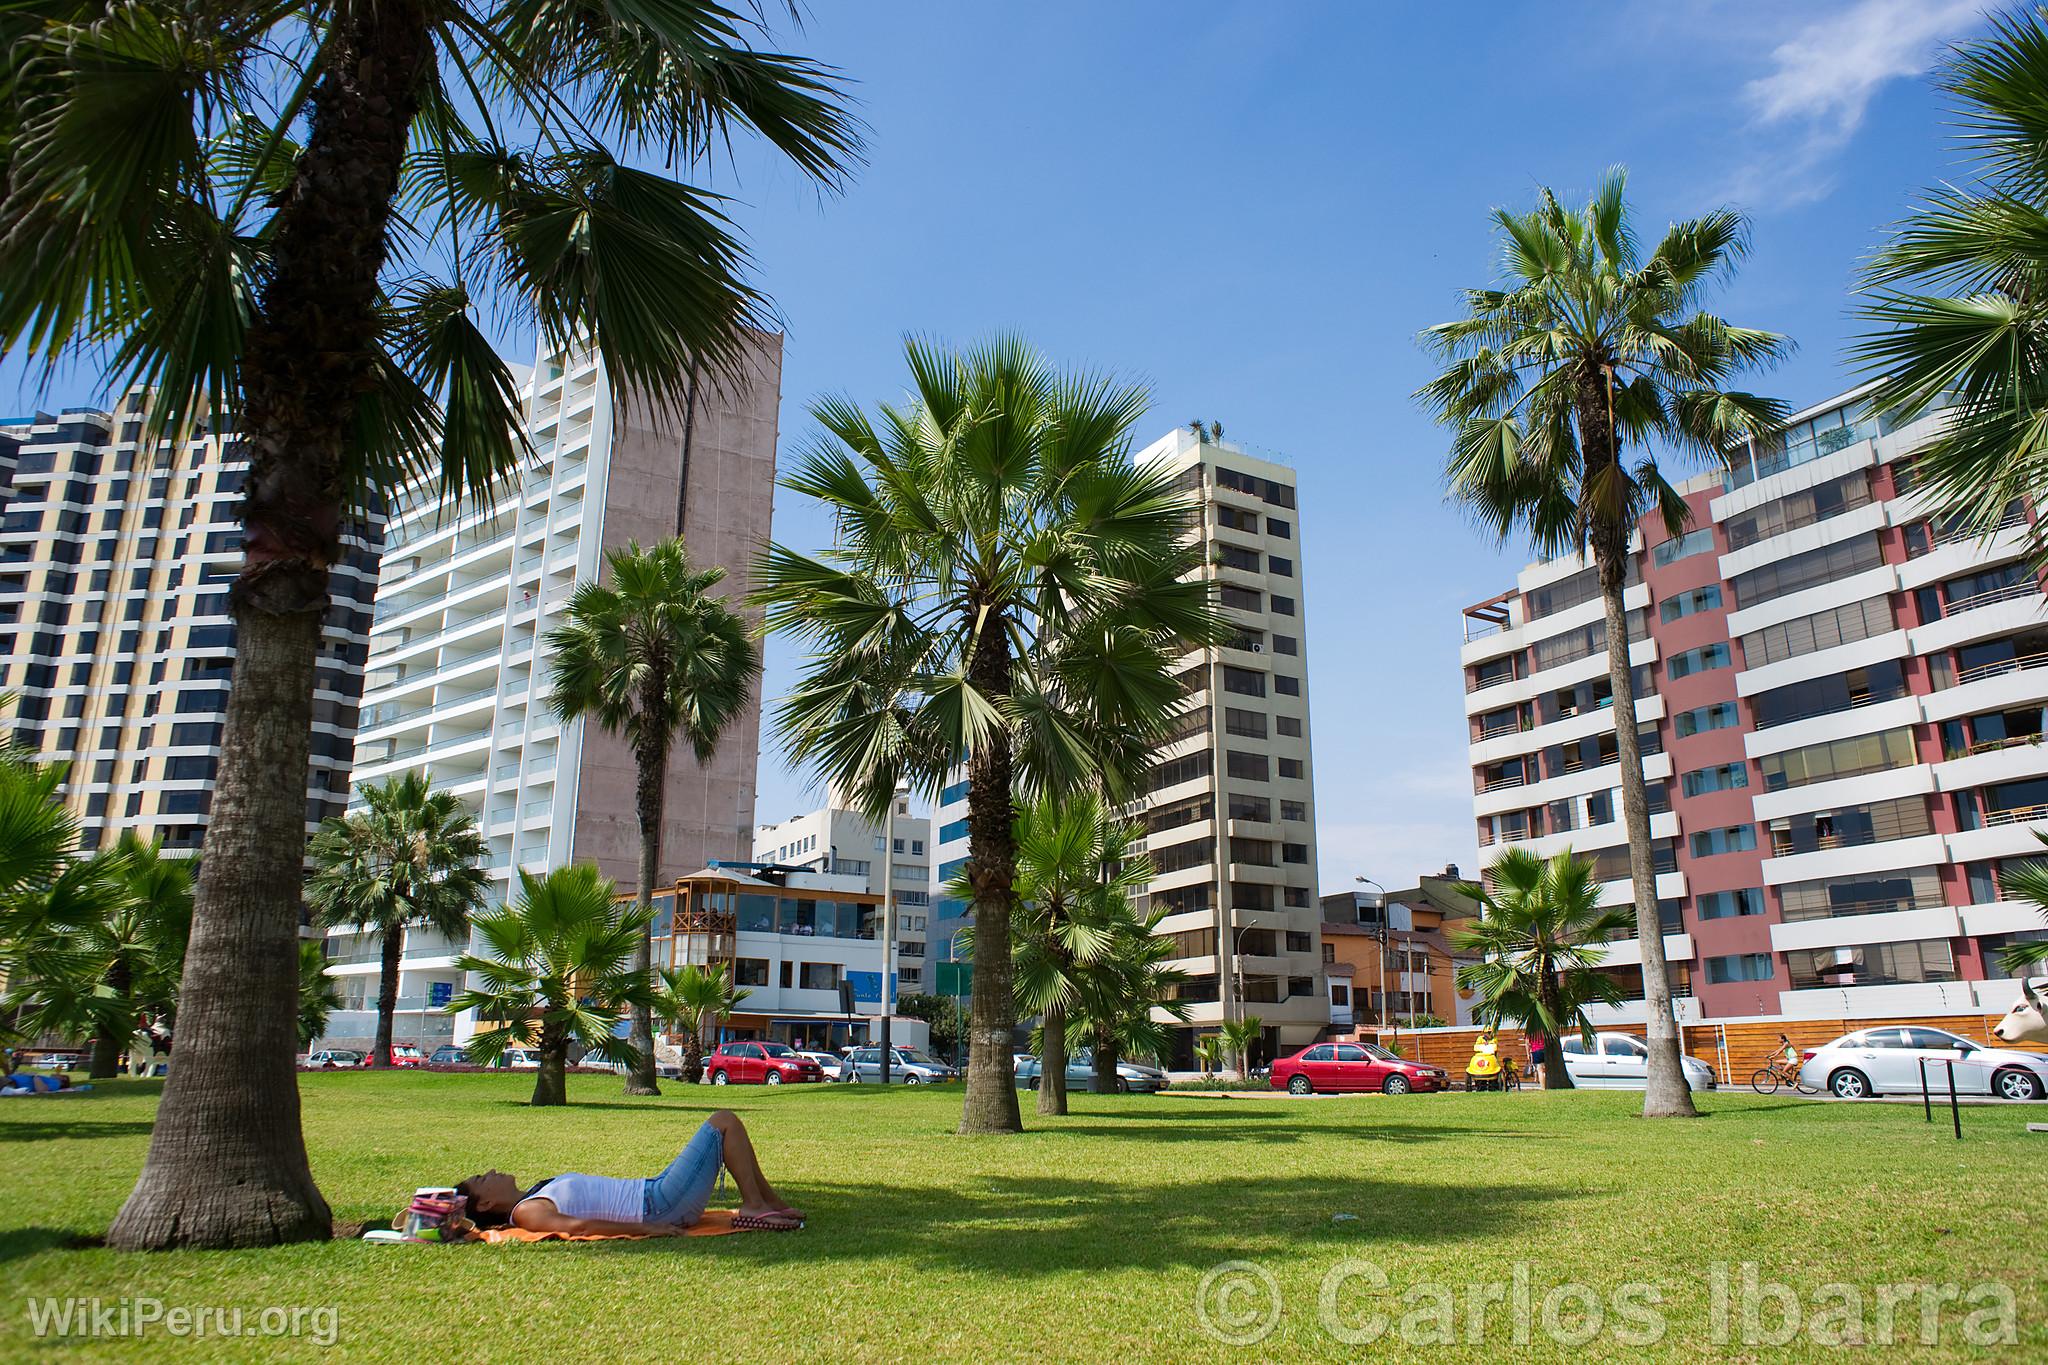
[{"x": 889, "y": 922}]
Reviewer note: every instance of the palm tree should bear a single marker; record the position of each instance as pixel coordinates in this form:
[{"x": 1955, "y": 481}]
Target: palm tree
[
  {"x": 409, "y": 860},
  {"x": 1008, "y": 592},
  {"x": 1959, "y": 295},
  {"x": 1075, "y": 878},
  {"x": 650, "y": 657},
  {"x": 1541, "y": 932},
  {"x": 301, "y": 251},
  {"x": 1584, "y": 356},
  {"x": 1209, "y": 1054},
  {"x": 2028, "y": 881},
  {"x": 1125, "y": 993},
  {"x": 559, "y": 972},
  {"x": 688, "y": 999},
  {"x": 1237, "y": 1037},
  {"x": 318, "y": 995}
]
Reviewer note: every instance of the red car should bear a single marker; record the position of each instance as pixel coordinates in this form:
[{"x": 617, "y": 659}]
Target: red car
[
  {"x": 760, "y": 1064},
  {"x": 1330, "y": 1067}
]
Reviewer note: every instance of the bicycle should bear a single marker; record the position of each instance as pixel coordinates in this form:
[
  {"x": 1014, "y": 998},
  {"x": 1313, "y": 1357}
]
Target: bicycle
[{"x": 1781, "y": 1070}]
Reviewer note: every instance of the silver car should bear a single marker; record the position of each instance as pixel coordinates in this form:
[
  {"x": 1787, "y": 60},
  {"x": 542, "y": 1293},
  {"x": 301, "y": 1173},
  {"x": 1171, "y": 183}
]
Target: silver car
[
  {"x": 832, "y": 1066},
  {"x": 1621, "y": 1061},
  {"x": 909, "y": 1067},
  {"x": 1878, "y": 1061}
]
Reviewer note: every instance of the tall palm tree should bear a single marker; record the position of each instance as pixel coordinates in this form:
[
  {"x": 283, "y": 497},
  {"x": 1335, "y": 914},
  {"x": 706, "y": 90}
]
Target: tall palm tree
[
  {"x": 411, "y": 859},
  {"x": 319, "y": 997},
  {"x": 559, "y": 971},
  {"x": 300, "y": 250},
  {"x": 1959, "y": 294},
  {"x": 1558, "y": 385},
  {"x": 652, "y": 656},
  {"x": 1541, "y": 932},
  {"x": 688, "y": 999},
  {"x": 1007, "y": 590}
]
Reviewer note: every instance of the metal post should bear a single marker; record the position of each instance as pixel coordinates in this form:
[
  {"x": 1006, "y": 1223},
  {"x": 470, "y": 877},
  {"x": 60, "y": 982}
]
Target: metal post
[
  {"x": 1955, "y": 1112},
  {"x": 1926, "y": 1099},
  {"x": 889, "y": 923}
]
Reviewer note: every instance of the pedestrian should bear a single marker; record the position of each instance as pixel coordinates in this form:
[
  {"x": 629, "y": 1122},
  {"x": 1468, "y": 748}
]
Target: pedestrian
[{"x": 1536, "y": 1057}]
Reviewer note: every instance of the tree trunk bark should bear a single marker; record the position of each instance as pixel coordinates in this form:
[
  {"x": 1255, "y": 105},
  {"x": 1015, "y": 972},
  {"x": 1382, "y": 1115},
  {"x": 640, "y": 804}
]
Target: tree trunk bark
[
  {"x": 1665, "y": 1094},
  {"x": 108, "y": 1042},
  {"x": 991, "y": 1103},
  {"x": 1052, "y": 1062},
  {"x": 227, "y": 1157},
  {"x": 387, "y": 994},
  {"x": 652, "y": 759},
  {"x": 1555, "y": 1077},
  {"x": 693, "y": 1056},
  {"x": 1105, "y": 1061},
  {"x": 551, "y": 1082}
]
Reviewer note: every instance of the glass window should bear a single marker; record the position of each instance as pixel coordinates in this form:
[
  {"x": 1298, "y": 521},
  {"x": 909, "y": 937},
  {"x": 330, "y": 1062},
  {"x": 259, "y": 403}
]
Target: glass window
[
  {"x": 1720, "y": 778},
  {"x": 1719, "y": 716},
  {"x": 1683, "y": 547},
  {"x": 1350, "y": 1052},
  {"x": 1739, "y": 967},
  {"x": 1732, "y": 839},
  {"x": 1701, "y": 660},
  {"x": 756, "y": 913},
  {"x": 1690, "y": 603},
  {"x": 1321, "y": 1053},
  {"x": 1727, "y": 904}
]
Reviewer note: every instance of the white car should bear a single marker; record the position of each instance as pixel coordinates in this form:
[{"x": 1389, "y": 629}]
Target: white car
[
  {"x": 1878, "y": 1061},
  {"x": 833, "y": 1067},
  {"x": 1621, "y": 1061}
]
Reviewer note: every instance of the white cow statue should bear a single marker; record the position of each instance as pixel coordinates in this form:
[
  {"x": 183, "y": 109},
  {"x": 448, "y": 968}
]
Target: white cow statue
[{"x": 2027, "y": 1020}]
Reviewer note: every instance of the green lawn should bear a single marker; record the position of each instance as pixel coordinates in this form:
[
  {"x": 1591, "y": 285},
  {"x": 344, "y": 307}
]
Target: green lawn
[{"x": 1087, "y": 1238}]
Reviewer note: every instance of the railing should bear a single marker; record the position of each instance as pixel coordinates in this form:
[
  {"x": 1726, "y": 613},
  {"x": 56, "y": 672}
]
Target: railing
[
  {"x": 1998, "y": 667},
  {"x": 1990, "y": 746},
  {"x": 1856, "y": 700},
  {"x": 1506, "y": 727},
  {"x": 1957, "y": 534},
  {"x": 1883, "y": 905},
  {"x": 1480, "y": 684},
  {"x": 2026, "y": 587},
  {"x": 2017, "y": 815},
  {"x": 1493, "y": 784}
]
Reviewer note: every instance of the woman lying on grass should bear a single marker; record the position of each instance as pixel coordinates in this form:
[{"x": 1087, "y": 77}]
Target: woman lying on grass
[{"x": 659, "y": 1206}]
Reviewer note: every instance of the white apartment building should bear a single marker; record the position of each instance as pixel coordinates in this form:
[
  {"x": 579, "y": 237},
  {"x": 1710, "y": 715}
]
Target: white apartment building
[
  {"x": 458, "y": 670},
  {"x": 836, "y": 840}
]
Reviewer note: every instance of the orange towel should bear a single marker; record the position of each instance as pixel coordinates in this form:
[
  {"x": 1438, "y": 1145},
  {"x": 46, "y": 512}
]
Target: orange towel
[{"x": 714, "y": 1223}]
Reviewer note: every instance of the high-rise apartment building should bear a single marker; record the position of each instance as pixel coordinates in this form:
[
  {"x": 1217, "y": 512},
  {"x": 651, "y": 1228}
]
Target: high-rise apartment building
[
  {"x": 115, "y": 561},
  {"x": 459, "y": 666},
  {"x": 1840, "y": 701}
]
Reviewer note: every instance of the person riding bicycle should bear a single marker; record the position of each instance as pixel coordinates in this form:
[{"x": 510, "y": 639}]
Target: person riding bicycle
[{"x": 1791, "y": 1052}]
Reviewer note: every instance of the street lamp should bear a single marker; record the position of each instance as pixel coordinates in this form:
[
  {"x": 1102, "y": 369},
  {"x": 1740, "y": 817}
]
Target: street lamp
[
  {"x": 889, "y": 921},
  {"x": 1386, "y": 997}
]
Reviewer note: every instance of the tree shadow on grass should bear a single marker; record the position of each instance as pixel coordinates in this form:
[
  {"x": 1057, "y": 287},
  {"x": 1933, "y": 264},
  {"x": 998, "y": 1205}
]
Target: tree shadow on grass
[
  {"x": 1024, "y": 1226},
  {"x": 20, "y": 1243},
  {"x": 50, "y": 1130},
  {"x": 1248, "y": 1128}
]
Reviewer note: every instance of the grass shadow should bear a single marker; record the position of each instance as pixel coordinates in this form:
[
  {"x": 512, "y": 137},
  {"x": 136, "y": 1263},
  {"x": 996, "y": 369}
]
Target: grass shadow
[
  {"x": 20, "y": 1243},
  {"x": 48, "y": 1130}
]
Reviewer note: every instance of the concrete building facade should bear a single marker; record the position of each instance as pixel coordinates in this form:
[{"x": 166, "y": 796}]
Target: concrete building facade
[
  {"x": 116, "y": 557},
  {"x": 459, "y": 669},
  {"x": 837, "y": 840},
  {"x": 1840, "y": 697}
]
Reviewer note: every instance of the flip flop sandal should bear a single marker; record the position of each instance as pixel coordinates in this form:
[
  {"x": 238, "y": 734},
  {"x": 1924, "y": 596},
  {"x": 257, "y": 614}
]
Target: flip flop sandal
[{"x": 765, "y": 1222}]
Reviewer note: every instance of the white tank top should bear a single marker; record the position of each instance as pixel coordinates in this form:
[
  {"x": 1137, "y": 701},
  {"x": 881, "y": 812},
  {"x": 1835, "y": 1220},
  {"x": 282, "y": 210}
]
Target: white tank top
[{"x": 612, "y": 1198}]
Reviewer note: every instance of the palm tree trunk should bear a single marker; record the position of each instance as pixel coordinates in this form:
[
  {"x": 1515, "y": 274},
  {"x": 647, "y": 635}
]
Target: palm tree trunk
[
  {"x": 1555, "y": 1077},
  {"x": 1105, "y": 1060},
  {"x": 1665, "y": 1094},
  {"x": 551, "y": 1082},
  {"x": 652, "y": 758},
  {"x": 991, "y": 1103},
  {"x": 387, "y": 994},
  {"x": 693, "y": 1056},
  {"x": 108, "y": 1041},
  {"x": 1052, "y": 1068},
  {"x": 227, "y": 1157}
]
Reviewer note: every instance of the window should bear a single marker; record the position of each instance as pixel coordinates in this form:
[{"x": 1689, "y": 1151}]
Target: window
[
  {"x": 1294, "y": 810},
  {"x": 1702, "y": 660},
  {"x": 1294, "y": 853},
  {"x": 1244, "y": 681},
  {"x": 1683, "y": 547},
  {"x": 1286, "y": 644},
  {"x": 1286, "y": 686},
  {"x": 916, "y": 845},
  {"x": 1279, "y": 529},
  {"x": 1249, "y": 724},
  {"x": 750, "y": 971},
  {"x": 1872, "y": 964},
  {"x": 1290, "y": 767},
  {"x": 1739, "y": 967},
  {"x": 956, "y": 791},
  {"x": 1727, "y": 904},
  {"x": 1732, "y": 839},
  {"x": 820, "y": 976},
  {"x": 1175, "y": 771},
  {"x": 1721, "y": 778},
  {"x": 1243, "y": 599},
  {"x": 1340, "y": 994},
  {"x": 1801, "y": 571},
  {"x": 1282, "y": 606},
  {"x": 1822, "y": 630},
  {"x": 1288, "y": 725},
  {"x": 1236, "y": 557},
  {"x": 1719, "y": 716},
  {"x": 1803, "y": 508},
  {"x": 1868, "y": 894},
  {"x": 1839, "y": 758},
  {"x": 1277, "y": 565},
  {"x": 1250, "y": 767},
  {"x": 1688, "y": 603},
  {"x": 1825, "y": 696}
]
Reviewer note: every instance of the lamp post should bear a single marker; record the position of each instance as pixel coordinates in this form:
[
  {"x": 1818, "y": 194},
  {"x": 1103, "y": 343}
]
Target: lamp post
[
  {"x": 1386, "y": 996},
  {"x": 889, "y": 922}
]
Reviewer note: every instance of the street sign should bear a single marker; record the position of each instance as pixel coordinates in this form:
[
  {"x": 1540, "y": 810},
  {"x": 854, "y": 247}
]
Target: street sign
[{"x": 955, "y": 979}]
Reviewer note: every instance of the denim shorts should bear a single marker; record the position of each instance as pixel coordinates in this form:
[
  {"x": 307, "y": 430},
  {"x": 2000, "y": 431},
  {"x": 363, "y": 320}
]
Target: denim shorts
[{"x": 679, "y": 1194}]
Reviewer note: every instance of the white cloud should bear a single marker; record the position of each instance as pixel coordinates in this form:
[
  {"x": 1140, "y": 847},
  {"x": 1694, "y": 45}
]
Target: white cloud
[{"x": 1821, "y": 83}]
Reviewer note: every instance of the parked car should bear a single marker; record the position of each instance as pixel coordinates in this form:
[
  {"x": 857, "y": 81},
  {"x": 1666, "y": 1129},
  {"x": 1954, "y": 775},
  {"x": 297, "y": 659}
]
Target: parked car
[
  {"x": 1877, "y": 1061},
  {"x": 334, "y": 1059},
  {"x": 833, "y": 1067},
  {"x": 519, "y": 1059},
  {"x": 449, "y": 1055},
  {"x": 1332, "y": 1068},
  {"x": 1131, "y": 1077},
  {"x": 909, "y": 1067},
  {"x": 407, "y": 1054},
  {"x": 1621, "y": 1061},
  {"x": 758, "y": 1063}
]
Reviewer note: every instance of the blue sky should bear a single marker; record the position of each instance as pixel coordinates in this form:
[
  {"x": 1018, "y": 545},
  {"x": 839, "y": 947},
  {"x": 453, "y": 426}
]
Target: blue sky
[{"x": 1254, "y": 207}]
